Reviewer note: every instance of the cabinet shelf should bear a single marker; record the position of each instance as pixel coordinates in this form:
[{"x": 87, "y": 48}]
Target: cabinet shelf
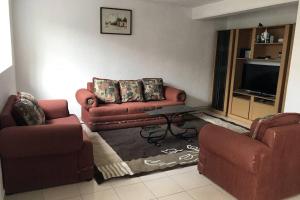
[
  {"x": 274, "y": 43},
  {"x": 254, "y": 94}
]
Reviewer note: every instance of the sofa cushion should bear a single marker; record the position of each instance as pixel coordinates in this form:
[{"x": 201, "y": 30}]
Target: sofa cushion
[
  {"x": 30, "y": 97},
  {"x": 131, "y": 90},
  {"x": 153, "y": 89},
  {"x": 27, "y": 113},
  {"x": 108, "y": 109},
  {"x": 259, "y": 126},
  {"x": 107, "y": 91}
]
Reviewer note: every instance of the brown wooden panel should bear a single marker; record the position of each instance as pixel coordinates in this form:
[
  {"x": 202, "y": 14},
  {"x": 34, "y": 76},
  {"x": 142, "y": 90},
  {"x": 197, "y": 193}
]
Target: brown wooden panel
[
  {"x": 261, "y": 110},
  {"x": 240, "y": 107}
]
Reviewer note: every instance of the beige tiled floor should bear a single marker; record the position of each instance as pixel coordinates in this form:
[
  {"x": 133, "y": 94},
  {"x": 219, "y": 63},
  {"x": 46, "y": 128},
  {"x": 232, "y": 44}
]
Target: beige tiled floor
[{"x": 179, "y": 184}]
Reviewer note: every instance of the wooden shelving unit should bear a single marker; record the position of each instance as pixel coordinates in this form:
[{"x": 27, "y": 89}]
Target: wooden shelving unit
[{"x": 245, "y": 105}]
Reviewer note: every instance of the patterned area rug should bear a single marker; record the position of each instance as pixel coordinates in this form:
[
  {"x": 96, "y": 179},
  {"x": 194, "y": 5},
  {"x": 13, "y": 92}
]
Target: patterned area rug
[{"x": 124, "y": 152}]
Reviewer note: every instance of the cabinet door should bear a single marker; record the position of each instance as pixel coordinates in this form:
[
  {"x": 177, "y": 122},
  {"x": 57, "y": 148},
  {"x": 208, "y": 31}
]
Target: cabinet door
[{"x": 221, "y": 70}]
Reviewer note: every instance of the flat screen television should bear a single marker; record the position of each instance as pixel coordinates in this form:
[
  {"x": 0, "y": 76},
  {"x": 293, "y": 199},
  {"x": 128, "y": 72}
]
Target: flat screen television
[{"x": 260, "y": 78}]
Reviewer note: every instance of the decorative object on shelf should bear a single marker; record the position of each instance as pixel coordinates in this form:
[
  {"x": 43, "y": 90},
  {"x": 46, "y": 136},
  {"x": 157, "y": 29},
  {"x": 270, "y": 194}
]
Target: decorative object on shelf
[
  {"x": 248, "y": 54},
  {"x": 244, "y": 52},
  {"x": 115, "y": 21},
  {"x": 258, "y": 40},
  {"x": 272, "y": 39},
  {"x": 280, "y": 40},
  {"x": 265, "y": 36}
]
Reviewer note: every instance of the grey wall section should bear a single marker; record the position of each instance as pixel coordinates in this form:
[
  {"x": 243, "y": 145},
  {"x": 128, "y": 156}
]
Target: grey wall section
[
  {"x": 7, "y": 85},
  {"x": 58, "y": 47},
  {"x": 285, "y": 14}
]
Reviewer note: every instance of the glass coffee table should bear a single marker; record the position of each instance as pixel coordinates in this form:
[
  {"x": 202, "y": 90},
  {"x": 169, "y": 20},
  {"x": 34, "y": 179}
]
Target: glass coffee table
[{"x": 155, "y": 134}]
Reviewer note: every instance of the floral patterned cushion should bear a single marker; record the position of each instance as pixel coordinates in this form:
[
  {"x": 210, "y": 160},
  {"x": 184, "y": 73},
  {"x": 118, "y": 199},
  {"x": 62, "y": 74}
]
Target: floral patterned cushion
[
  {"x": 28, "y": 112},
  {"x": 153, "y": 89},
  {"x": 131, "y": 90},
  {"x": 25, "y": 95},
  {"x": 23, "y": 98},
  {"x": 107, "y": 91}
]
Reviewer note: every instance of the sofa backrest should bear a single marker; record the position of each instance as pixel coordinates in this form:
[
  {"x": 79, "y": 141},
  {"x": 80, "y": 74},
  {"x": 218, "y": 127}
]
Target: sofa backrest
[
  {"x": 6, "y": 116},
  {"x": 260, "y": 126}
]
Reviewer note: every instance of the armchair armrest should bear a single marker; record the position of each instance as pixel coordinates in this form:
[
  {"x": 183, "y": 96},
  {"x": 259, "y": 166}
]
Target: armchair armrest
[
  {"x": 54, "y": 108},
  {"x": 29, "y": 141},
  {"x": 238, "y": 149},
  {"x": 174, "y": 94},
  {"x": 86, "y": 98}
]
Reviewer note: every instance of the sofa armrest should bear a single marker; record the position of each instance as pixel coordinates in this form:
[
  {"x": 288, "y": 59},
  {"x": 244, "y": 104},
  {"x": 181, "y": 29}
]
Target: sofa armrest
[
  {"x": 54, "y": 108},
  {"x": 174, "y": 94},
  {"x": 30, "y": 141},
  {"x": 86, "y": 98},
  {"x": 238, "y": 149}
]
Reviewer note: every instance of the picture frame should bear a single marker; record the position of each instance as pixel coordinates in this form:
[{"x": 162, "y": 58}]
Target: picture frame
[{"x": 115, "y": 21}]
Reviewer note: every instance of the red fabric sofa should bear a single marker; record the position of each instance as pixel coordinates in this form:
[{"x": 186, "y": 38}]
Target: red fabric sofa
[
  {"x": 34, "y": 157},
  {"x": 112, "y": 116},
  {"x": 254, "y": 169}
]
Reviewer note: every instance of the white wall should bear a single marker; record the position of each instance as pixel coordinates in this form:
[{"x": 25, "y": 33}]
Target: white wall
[
  {"x": 58, "y": 47},
  {"x": 285, "y": 14},
  {"x": 293, "y": 94},
  {"x": 5, "y": 36}
]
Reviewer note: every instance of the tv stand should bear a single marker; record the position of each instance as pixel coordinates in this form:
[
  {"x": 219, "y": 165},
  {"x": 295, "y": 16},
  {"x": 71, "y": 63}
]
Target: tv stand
[
  {"x": 251, "y": 105},
  {"x": 256, "y": 94}
]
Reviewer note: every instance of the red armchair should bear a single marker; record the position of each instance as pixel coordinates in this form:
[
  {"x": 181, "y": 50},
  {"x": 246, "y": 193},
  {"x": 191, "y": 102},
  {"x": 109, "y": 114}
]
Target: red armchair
[
  {"x": 254, "y": 169},
  {"x": 34, "y": 157}
]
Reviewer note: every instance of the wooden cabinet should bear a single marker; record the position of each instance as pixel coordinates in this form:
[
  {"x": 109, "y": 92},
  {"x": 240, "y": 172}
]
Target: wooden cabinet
[{"x": 246, "y": 50}]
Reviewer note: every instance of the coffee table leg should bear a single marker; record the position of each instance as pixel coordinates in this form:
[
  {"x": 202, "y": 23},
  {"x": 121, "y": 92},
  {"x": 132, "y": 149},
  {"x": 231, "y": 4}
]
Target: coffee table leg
[
  {"x": 151, "y": 138},
  {"x": 182, "y": 134}
]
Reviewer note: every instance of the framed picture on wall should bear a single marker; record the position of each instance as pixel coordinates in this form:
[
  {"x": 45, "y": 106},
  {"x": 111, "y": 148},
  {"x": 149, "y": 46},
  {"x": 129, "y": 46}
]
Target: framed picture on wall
[{"x": 115, "y": 21}]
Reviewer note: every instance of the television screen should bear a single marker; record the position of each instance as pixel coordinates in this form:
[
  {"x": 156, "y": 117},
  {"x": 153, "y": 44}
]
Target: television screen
[{"x": 260, "y": 78}]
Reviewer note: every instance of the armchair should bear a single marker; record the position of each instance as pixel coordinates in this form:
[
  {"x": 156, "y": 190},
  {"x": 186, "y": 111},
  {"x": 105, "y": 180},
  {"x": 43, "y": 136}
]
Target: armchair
[
  {"x": 254, "y": 169},
  {"x": 40, "y": 156}
]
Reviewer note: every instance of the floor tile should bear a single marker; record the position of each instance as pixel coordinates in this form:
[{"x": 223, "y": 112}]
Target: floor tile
[
  {"x": 136, "y": 191},
  {"x": 207, "y": 193},
  {"x": 190, "y": 180},
  {"x": 92, "y": 186},
  {"x": 179, "y": 196},
  {"x": 181, "y": 170},
  {"x": 163, "y": 187},
  {"x": 75, "y": 198},
  {"x": 124, "y": 181},
  {"x": 297, "y": 197},
  {"x": 102, "y": 195},
  {"x": 225, "y": 193},
  {"x": 34, "y": 195},
  {"x": 153, "y": 176},
  {"x": 61, "y": 192}
]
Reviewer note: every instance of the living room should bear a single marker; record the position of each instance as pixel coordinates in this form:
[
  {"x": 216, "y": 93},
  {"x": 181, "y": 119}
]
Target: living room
[{"x": 59, "y": 46}]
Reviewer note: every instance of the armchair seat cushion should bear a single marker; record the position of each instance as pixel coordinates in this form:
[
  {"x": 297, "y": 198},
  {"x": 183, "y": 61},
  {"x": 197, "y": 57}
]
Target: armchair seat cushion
[{"x": 72, "y": 119}]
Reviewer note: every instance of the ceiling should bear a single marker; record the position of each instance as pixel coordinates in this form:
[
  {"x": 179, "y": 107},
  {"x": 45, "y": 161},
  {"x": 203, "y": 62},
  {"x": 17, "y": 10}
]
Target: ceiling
[{"x": 187, "y": 3}]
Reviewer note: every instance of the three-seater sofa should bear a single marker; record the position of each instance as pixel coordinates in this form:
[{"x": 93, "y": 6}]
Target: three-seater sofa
[{"x": 104, "y": 116}]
